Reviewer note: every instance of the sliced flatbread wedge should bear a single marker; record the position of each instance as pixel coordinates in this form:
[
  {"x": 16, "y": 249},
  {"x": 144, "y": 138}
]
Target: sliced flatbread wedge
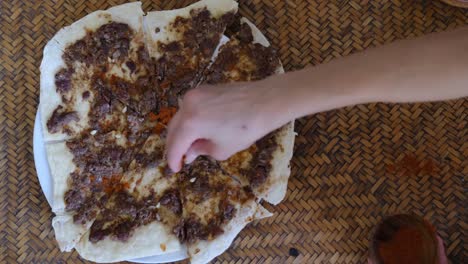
[
  {"x": 265, "y": 165},
  {"x": 102, "y": 39},
  {"x": 182, "y": 43},
  {"x": 216, "y": 207},
  {"x": 133, "y": 224},
  {"x": 204, "y": 251},
  {"x": 85, "y": 172}
]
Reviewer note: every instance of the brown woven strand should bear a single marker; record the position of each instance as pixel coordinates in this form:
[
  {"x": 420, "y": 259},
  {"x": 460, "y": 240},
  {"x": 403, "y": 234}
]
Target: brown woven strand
[{"x": 349, "y": 165}]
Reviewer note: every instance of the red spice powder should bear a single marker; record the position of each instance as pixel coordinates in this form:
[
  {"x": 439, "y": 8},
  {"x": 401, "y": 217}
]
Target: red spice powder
[
  {"x": 411, "y": 165},
  {"x": 114, "y": 184}
]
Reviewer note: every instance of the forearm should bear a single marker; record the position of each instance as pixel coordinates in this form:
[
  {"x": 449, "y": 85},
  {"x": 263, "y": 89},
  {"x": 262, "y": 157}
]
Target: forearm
[
  {"x": 434, "y": 67},
  {"x": 431, "y": 68}
]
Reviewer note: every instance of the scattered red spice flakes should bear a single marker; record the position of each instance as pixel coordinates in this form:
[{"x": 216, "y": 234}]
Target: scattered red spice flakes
[
  {"x": 159, "y": 128},
  {"x": 166, "y": 114},
  {"x": 152, "y": 117},
  {"x": 165, "y": 84},
  {"x": 114, "y": 184},
  {"x": 411, "y": 165},
  {"x": 163, "y": 118}
]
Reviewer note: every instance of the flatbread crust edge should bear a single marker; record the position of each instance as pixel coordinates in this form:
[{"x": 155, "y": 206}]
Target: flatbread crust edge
[
  {"x": 204, "y": 251},
  {"x": 60, "y": 160},
  {"x": 49, "y": 98},
  {"x": 61, "y": 165},
  {"x": 148, "y": 240},
  {"x": 130, "y": 13},
  {"x": 274, "y": 189},
  {"x": 67, "y": 233}
]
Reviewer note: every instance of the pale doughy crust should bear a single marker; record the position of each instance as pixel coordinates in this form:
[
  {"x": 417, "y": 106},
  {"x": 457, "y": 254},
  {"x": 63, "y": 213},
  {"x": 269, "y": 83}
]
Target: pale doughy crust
[
  {"x": 66, "y": 232},
  {"x": 148, "y": 240},
  {"x": 61, "y": 166},
  {"x": 51, "y": 63}
]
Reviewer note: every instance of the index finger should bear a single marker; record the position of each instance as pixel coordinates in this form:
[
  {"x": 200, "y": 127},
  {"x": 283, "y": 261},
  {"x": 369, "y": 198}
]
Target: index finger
[{"x": 179, "y": 140}]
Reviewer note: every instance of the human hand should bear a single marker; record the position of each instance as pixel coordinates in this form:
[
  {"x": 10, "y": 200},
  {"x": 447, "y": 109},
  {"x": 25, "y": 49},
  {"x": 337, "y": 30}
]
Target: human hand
[{"x": 219, "y": 121}]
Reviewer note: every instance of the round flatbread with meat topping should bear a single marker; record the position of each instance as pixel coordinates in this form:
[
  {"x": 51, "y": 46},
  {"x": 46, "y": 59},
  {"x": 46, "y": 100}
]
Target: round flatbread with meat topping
[{"x": 110, "y": 84}]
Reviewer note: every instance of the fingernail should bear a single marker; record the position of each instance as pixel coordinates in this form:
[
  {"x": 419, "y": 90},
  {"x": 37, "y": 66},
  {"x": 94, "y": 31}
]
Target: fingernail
[{"x": 190, "y": 158}]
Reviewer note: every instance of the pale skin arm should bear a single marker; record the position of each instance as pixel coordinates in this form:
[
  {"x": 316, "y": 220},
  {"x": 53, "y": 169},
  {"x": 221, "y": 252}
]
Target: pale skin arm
[{"x": 222, "y": 120}]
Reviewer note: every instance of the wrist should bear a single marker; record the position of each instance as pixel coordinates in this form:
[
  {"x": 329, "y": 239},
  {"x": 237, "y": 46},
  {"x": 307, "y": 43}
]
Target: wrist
[
  {"x": 270, "y": 105},
  {"x": 289, "y": 96},
  {"x": 323, "y": 88}
]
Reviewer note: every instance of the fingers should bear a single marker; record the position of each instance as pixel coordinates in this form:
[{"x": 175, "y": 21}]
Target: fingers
[{"x": 179, "y": 140}]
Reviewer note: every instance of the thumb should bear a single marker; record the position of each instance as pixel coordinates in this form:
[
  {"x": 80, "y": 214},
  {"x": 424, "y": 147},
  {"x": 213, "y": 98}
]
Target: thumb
[
  {"x": 198, "y": 148},
  {"x": 205, "y": 147}
]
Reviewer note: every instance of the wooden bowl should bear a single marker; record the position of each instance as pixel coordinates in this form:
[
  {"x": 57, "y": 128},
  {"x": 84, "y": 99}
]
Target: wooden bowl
[{"x": 458, "y": 3}]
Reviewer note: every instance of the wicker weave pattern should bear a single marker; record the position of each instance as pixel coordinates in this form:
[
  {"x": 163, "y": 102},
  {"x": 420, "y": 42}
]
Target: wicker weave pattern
[{"x": 349, "y": 165}]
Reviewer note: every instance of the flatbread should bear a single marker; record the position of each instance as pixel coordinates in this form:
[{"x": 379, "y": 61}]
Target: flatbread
[
  {"x": 258, "y": 37},
  {"x": 219, "y": 212},
  {"x": 60, "y": 160},
  {"x": 154, "y": 238},
  {"x": 216, "y": 208}
]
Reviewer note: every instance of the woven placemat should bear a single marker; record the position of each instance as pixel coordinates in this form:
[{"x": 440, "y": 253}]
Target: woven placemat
[{"x": 351, "y": 166}]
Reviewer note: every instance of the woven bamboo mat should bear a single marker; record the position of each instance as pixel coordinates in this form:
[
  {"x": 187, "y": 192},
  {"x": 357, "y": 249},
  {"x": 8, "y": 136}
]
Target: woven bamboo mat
[{"x": 351, "y": 166}]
